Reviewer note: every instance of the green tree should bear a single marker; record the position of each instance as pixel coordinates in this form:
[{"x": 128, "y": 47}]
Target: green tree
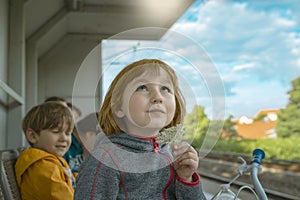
[
  {"x": 288, "y": 118},
  {"x": 229, "y": 128},
  {"x": 196, "y": 125},
  {"x": 260, "y": 117}
]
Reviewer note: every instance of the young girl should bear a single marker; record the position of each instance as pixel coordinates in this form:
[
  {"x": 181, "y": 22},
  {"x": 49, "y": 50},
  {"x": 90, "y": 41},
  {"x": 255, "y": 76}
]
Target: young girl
[{"x": 128, "y": 163}]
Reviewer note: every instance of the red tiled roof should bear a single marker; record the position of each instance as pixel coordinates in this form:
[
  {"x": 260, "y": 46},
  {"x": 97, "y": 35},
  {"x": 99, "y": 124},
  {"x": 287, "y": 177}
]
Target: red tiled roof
[{"x": 256, "y": 130}]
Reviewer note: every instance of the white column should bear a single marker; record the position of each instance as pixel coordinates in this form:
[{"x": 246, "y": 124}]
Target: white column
[{"x": 16, "y": 74}]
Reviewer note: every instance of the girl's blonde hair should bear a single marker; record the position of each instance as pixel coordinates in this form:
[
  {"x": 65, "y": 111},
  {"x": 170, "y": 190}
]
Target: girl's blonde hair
[{"x": 112, "y": 101}]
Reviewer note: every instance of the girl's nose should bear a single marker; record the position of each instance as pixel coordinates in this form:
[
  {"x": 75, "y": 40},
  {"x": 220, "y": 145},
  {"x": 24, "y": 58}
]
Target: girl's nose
[
  {"x": 156, "y": 100},
  {"x": 156, "y": 96}
]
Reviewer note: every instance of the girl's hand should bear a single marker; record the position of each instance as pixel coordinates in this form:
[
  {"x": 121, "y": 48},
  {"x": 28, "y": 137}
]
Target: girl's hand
[{"x": 186, "y": 160}]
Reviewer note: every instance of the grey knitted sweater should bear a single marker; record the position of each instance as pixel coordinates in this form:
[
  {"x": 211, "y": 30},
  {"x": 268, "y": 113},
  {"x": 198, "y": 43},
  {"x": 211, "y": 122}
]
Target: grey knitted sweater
[{"x": 126, "y": 167}]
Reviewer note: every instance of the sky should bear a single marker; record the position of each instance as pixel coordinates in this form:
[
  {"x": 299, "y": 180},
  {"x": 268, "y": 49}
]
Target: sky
[{"x": 232, "y": 57}]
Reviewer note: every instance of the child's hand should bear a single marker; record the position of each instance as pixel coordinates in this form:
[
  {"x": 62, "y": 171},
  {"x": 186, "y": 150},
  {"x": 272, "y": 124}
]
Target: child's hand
[{"x": 186, "y": 160}]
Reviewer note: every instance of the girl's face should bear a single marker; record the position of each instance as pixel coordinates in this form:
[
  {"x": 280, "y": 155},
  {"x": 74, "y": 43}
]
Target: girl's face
[{"x": 148, "y": 104}]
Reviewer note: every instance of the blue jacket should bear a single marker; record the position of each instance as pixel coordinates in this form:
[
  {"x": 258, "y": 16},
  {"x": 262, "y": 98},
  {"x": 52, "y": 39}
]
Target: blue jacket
[
  {"x": 126, "y": 167},
  {"x": 74, "y": 156}
]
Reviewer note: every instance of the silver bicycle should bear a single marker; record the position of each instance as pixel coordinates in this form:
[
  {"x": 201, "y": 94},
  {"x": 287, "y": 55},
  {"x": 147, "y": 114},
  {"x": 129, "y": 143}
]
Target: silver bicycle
[{"x": 253, "y": 168}]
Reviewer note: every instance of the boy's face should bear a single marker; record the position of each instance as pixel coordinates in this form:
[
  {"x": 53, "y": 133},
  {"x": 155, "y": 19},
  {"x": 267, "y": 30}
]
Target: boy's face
[
  {"x": 148, "y": 103},
  {"x": 54, "y": 141}
]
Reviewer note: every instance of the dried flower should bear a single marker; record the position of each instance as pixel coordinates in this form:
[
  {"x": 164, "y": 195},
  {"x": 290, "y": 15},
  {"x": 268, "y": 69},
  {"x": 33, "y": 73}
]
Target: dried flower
[{"x": 172, "y": 135}]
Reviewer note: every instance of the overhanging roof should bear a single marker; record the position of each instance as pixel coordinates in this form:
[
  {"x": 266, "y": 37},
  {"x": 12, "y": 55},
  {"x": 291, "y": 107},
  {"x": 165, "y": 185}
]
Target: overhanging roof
[{"x": 49, "y": 22}]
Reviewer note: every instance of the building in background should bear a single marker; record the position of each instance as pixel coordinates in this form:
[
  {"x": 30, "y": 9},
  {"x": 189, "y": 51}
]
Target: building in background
[{"x": 261, "y": 126}]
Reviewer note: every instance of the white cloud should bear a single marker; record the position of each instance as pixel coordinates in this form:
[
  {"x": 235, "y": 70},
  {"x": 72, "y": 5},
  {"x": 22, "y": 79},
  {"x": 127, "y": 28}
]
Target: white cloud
[
  {"x": 285, "y": 23},
  {"x": 260, "y": 34},
  {"x": 243, "y": 66}
]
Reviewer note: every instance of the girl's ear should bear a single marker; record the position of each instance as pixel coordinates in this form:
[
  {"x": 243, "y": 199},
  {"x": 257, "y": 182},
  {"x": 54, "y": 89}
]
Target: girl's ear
[
  {"x": 119, "y": 113},
  {"x": 30, "y": 135}
]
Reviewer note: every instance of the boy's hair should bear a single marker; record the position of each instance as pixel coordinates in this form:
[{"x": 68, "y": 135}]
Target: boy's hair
[
  {"x": 48, "y": 115},
  {"x": 114, "y": 96},
  {"x": 60, "y": 99}
]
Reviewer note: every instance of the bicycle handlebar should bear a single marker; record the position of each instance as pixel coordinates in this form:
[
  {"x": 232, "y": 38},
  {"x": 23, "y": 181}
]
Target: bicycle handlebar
[
  {"x": 258, "y": 155},
  {"x": 254, "y": 167}
]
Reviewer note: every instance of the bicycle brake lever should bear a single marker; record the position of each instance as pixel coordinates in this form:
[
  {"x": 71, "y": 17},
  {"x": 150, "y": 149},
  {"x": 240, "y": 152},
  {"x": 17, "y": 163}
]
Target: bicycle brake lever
[{"x": 243, "y": 167}]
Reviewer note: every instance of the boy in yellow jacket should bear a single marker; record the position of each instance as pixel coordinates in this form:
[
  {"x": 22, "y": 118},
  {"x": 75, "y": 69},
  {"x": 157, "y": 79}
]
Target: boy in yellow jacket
[{"x": 41, "y": 171}]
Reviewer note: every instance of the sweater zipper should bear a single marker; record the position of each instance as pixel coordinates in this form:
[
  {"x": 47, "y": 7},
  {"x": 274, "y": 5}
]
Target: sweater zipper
[
  {"x": 155, "y": 145},
  {"x": 156, "y": 149}
]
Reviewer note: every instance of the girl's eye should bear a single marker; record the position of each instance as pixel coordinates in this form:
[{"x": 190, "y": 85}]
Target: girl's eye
[
  {"x": 165, "y": 89},
  {"x": 142, "y": 88}
]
